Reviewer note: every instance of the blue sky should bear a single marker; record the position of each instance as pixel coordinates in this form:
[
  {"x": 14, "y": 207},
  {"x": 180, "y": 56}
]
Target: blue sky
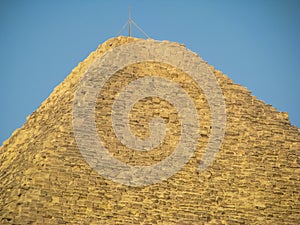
[{"x": 256, "y": 43}]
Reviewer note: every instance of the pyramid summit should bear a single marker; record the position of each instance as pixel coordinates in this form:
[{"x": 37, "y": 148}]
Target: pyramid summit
[{"x": 46, "y": 177}]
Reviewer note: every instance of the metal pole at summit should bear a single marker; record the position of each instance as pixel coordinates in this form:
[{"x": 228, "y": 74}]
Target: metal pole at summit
[{"x": 130, "y": 22}]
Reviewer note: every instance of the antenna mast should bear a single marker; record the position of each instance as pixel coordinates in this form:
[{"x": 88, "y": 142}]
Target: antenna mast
[{"x": 130, "y": 22}]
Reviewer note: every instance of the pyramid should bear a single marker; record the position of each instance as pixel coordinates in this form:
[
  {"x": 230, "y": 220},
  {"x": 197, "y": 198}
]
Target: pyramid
[{"x": 254, "y": 177}]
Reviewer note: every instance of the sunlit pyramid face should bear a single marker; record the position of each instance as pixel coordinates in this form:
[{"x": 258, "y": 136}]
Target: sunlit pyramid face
[{"x": 145, "y": 132}]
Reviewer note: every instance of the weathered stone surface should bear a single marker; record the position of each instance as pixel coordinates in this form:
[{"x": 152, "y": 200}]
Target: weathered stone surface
[{"x": 254, "y": 179}]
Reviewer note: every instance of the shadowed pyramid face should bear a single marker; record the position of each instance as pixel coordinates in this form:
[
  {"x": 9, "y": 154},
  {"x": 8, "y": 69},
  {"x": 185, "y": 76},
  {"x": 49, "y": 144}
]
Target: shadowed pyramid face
[{"x": 103, "y": 148}]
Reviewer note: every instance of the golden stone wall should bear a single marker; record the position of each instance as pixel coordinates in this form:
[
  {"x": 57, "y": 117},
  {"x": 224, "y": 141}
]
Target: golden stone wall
[{"x": 253, "y": 180}]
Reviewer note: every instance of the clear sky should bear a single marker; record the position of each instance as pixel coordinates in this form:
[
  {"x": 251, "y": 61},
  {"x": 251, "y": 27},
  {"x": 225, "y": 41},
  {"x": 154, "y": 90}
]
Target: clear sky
[{"x": 256, "y": 43}]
